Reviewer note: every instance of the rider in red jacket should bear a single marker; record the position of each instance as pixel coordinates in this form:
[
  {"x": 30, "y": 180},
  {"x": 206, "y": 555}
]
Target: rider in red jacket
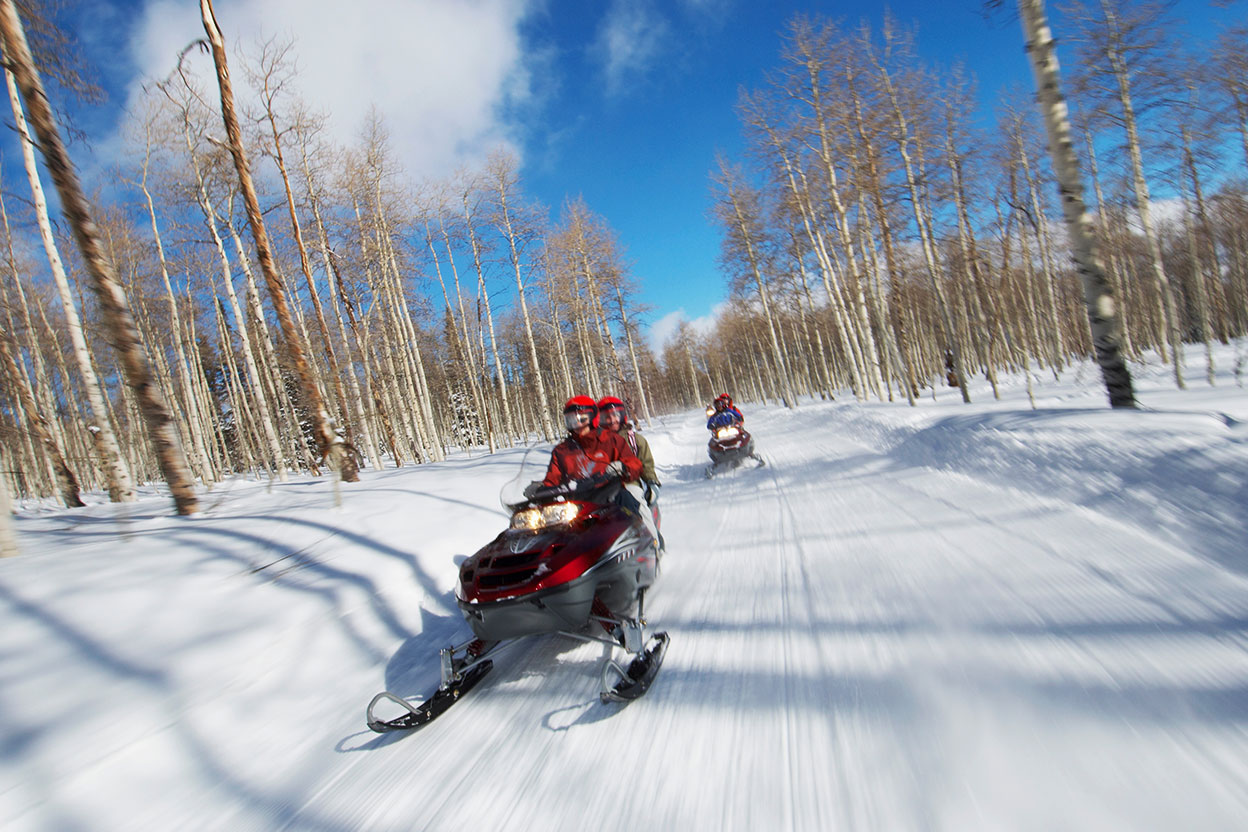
[{"x": 589, "y": 450}]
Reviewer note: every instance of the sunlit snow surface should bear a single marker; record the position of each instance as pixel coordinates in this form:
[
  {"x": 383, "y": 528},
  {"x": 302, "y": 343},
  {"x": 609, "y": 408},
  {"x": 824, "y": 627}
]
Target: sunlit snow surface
[{"x": 947, "y": 617}]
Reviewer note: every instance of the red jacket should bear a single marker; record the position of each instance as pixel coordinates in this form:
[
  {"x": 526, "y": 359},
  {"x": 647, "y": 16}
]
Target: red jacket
[{"x": 579, "y": 457}]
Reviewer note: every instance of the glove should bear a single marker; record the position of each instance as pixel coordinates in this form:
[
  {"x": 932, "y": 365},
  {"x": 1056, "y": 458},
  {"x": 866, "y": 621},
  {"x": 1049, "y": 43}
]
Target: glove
[
  {"x": 652, "y": 493},
  {"x": 531, "y": 489},
  {"x": 615, "y": 468}
]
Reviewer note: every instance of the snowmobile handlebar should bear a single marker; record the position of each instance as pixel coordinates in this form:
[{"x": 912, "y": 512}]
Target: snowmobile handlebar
[{"x": 535, "y": 492}]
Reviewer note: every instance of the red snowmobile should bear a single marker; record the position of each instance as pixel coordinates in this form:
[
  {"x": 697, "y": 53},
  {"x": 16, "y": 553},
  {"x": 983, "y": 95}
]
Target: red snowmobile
[
  {"x": 576, "y": 560},
  {"x": 730, "y": 443}
]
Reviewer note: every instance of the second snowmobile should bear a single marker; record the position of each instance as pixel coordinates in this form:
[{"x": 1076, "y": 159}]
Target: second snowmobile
[
  {"x": 730, "y": 444},
  {"x": 576, "y": 560}
]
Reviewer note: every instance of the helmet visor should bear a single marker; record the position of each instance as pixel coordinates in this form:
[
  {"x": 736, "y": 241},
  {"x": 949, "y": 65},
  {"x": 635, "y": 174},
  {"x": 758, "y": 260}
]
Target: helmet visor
[
  {"x": 612, "y": 414},
  {"x": 578, "y": 417}
]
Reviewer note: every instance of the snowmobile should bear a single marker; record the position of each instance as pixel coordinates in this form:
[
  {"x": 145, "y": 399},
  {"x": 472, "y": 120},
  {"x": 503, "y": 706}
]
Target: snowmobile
[
  {"x": 576, "y": 561},
  {"x": 730, "y": 444}
]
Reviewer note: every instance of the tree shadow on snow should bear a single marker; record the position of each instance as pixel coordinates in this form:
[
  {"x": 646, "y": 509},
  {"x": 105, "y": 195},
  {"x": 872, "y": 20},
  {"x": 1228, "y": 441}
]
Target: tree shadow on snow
[{"x": 275, "y": 807}]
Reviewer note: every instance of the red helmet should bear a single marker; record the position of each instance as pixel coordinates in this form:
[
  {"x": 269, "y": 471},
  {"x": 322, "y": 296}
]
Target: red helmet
[
  {"x": 725, "y": 398},
  {"x": 610, "y": 403},
  {"x": 579, "y": 411}
]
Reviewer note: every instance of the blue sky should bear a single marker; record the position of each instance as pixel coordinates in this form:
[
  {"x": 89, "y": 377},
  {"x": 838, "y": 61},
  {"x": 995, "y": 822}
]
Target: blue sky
[
  {"x": 641, "y": 155},
  {"x": 624, "y": 102}
]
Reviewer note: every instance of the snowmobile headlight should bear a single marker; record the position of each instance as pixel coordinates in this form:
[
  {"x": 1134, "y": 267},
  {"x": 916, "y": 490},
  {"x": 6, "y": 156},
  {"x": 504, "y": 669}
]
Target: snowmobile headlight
[
  {"x": 529, "y": 518},
  {"x": 556, "y": 514},
  {"x": 559, "y": 514},
  {"x": 727, "y": 433},
  {"x": 710, "y": 411}
]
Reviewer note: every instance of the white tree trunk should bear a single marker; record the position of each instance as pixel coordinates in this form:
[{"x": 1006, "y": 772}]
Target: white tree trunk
[
  {"x": 1102, "y": 314},
  {"x": 113, "y": 303},
  {"x": 120, "y": 485}
]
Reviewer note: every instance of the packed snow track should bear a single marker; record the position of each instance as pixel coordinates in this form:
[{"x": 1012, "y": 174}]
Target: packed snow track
[{"x": 939, "y": 618}]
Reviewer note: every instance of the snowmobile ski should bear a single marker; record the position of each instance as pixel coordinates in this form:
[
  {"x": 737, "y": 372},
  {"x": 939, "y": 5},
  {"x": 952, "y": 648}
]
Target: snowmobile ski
[
  {"x": 431, "y": 708},
  {"x": 636, "y": 679}
]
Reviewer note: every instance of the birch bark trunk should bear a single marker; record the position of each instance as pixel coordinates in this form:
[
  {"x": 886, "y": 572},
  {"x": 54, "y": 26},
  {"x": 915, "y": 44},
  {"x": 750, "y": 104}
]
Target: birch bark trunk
[
  {"x": 112, "y": 300},
  {"x": 329, "y": 443},
  {"x": 1143, "y": 205},
  {"x": 66, "y": 482},
  {"x": 120, "y": 484},
  {"x": 1102, "y": 314}
]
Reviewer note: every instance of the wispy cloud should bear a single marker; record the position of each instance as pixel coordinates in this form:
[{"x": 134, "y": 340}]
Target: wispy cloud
[
  {"x": 631, "y": 38},
  {"x": 664, "y": 327},
  {"x": 705, "y": 324},
  {"x": 446, "y": 77}
]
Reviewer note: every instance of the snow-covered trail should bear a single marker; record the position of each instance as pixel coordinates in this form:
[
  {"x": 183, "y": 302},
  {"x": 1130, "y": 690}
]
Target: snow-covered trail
[
  {"x": 985, "y": 618},
  {"x": 860, "y": 644},
  {"x": 900, "y": 647}
]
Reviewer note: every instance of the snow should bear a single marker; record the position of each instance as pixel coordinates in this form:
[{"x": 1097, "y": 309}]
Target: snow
[{"x": 943, "y": 617}]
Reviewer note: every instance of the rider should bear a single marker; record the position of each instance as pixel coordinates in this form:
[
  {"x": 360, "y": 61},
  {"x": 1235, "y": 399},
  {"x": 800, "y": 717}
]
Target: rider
[
  {"x": 591, "y": 450},
  {"x": 613, "y": 416},
  {"x": 723, "y": 406},
  {"x": 587, "y": 450}
]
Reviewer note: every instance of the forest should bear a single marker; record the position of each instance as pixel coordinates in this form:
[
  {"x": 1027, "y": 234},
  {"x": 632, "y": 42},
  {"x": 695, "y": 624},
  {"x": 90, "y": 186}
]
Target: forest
[{"x": 247, "y": 297}]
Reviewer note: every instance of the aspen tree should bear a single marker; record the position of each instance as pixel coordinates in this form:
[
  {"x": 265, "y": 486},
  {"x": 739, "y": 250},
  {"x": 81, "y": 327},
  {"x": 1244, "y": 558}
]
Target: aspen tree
[
  {"x": 190, "y": 409},
  {"x": 262, "y": 396},
  {"x": 476, "y": 369},
  {"x": 329, "y": 443},
  {"x": 1102, "y": 314},
  {"x": 904, "y": 137},
  {"x": 271, "y": 81},
  {"x": 955, "y": 108},
  {"x": 752, "y": 109},
  {"x": 737, "y": 209},
  {"x": 44, "y": 482},
  {"x": 42, "y": 386},
  {"x": 303, "y": 128},
  {"x": 1120, "y": 44},
  {"x": 8, "y": 540},
  {"x": 812, "y": 53},
  {"x": 67, "y": 483},
  {"x": 114, "y": 306},
  {"x": 1114, "y": 272},
  {"x": 501, "y": 170},
  {"x": 460, "y": 342},
  {"x": 120, "y": 484},
  {"x": 869, "y": 168},
  {"x": 1196, "y": 202},
  {"x": 1229, "y": 67}
]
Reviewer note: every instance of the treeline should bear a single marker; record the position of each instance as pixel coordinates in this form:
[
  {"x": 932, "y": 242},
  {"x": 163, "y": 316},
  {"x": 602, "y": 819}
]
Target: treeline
[
  {"x": 448, "y": 314},
  {"x": 878, "y": 241}
]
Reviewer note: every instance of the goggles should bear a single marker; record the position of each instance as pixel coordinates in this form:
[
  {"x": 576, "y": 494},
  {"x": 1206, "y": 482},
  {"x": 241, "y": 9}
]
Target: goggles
[
  {"x": 578, "y": 417},
  {"x": 611, "y": 410}
]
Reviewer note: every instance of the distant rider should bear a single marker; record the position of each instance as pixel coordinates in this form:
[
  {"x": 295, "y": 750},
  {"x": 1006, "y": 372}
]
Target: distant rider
[{"x": 725, "y": 412}]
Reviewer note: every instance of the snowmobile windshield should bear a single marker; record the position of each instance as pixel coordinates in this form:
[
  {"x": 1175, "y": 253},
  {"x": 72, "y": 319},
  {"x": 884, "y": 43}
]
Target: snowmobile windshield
[
  {"x": 526, "y": 487},
  {"x": 532, "y": 469}
]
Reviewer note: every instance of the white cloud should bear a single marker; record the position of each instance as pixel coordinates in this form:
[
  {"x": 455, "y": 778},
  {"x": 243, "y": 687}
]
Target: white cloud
[
  {"x": 663, "y": 328},
  {"x": 444, "y": 75},
  {"x": 705, "y": 324},
  {"x": 630, "y": 39}
]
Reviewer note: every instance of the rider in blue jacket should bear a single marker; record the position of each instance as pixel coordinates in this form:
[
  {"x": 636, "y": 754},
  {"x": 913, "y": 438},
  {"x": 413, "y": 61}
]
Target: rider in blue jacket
[{"x": 725, "y": 413}]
